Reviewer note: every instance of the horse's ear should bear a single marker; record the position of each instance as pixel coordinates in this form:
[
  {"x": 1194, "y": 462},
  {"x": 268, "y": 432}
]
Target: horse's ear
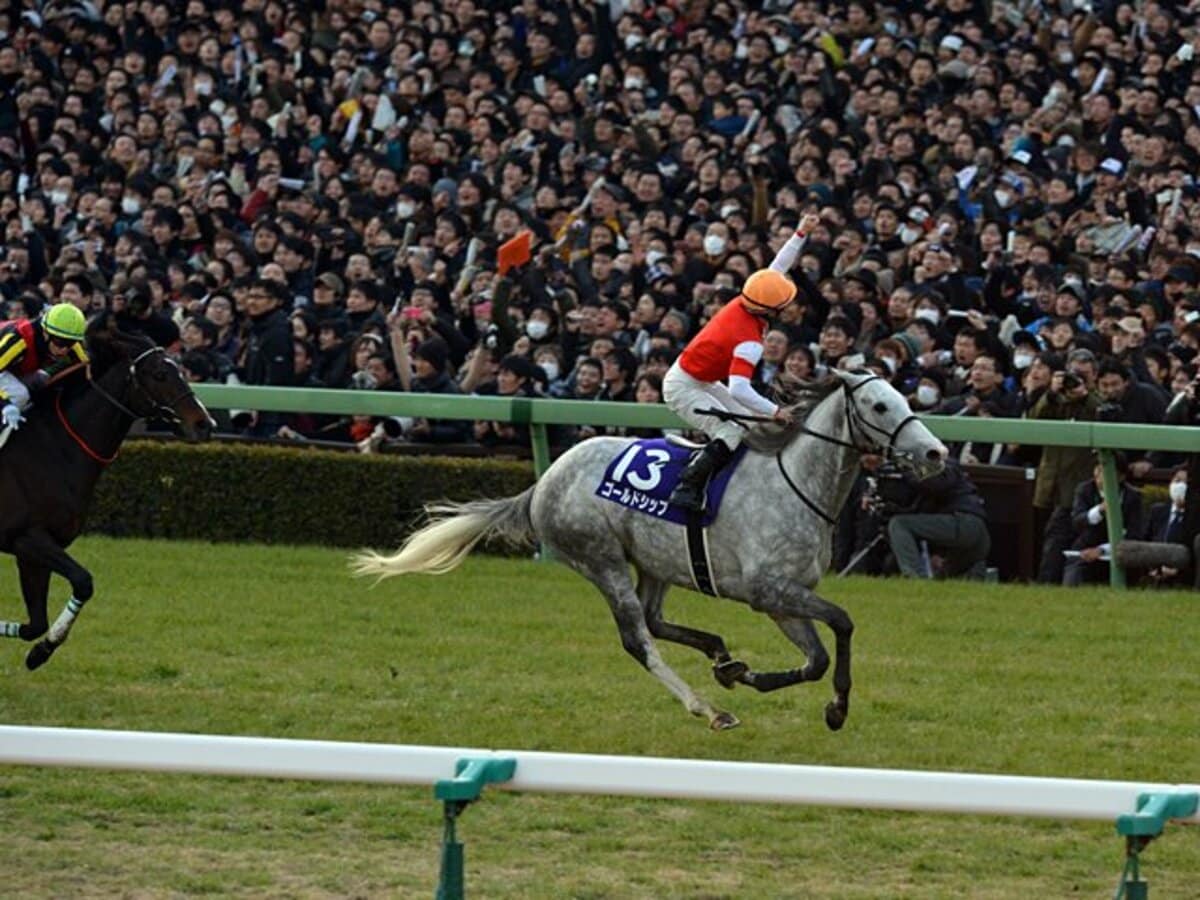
[
  {"x": 845, "y": 376},
  {"x": 101, "y": 332}
]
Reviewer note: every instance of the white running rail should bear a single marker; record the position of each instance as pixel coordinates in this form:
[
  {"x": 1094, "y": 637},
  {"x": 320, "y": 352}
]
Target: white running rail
[{"x": 942, "y": 792}]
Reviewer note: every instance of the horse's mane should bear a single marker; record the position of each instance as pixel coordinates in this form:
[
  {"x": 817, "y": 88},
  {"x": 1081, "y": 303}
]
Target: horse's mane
[
  {"x": 107, "y": 346},
  {"x": 799, "y": 397}
]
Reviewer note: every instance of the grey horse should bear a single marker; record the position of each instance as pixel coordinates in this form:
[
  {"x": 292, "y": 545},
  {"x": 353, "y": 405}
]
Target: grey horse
[{"x": 769, "y": 545}]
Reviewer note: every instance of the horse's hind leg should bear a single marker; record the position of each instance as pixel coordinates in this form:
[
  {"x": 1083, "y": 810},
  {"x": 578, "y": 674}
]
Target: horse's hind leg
[
  {"x": 612, "y": 578},
  {"x": 35, "y": 582},
  {"x": 726, "y": 670},
  {"x": 37, "y": 551},
  {"x": 783, "y": 601}
]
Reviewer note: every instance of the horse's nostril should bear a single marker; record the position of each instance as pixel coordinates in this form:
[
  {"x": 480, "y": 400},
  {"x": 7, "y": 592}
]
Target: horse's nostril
[{"x": 935, "y": 454}]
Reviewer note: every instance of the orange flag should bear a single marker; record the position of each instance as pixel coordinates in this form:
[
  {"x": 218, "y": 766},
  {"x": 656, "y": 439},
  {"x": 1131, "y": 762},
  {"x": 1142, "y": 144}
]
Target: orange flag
[{"x": 515, "y": 252}]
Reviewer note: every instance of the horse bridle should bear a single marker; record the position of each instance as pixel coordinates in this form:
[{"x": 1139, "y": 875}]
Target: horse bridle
[
  {"x": 164, "y": 411},
  {"x": 854, "y": 420}
]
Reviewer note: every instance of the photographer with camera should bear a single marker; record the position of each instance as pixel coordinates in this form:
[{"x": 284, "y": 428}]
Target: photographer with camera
[
  {"x": 1127, "y": 400},
  {"x": 945, "y": 510},
  {"x": 1071, "y": 396}
]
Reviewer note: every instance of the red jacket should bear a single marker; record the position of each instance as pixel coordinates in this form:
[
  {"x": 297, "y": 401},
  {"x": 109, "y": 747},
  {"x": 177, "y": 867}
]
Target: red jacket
[{"x": 712, "y": 354}]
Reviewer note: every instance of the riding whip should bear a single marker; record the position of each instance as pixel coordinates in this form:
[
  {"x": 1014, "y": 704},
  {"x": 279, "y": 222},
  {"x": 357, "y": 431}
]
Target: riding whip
[{"x": 727, "y": 416}]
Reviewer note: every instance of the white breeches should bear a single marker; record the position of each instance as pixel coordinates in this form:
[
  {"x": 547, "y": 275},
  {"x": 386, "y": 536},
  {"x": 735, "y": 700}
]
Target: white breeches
[
  {"x": 14, "y": 389},
  {"x": 685, "y": 394}
]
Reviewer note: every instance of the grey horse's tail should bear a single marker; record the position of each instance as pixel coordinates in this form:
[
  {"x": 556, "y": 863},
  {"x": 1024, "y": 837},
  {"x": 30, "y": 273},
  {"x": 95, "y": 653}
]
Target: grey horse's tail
[{"x": 454, "y": 530}]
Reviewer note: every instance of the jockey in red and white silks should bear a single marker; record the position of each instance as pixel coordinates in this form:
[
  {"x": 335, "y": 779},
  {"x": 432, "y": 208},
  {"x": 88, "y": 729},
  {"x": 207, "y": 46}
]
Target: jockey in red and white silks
[{"x": 717, "y": 365}]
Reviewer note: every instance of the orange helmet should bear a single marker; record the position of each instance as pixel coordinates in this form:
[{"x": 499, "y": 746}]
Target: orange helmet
[{"x": 768, "y": 289}]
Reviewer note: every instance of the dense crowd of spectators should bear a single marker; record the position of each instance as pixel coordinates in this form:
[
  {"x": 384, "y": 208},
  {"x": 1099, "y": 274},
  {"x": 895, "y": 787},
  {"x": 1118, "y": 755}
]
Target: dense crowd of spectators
[{"x": 314, "y": 193}]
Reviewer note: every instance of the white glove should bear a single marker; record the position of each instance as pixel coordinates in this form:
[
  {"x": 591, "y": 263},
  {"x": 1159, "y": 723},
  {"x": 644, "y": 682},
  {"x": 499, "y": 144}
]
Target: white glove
[{"x": 11, "y": 416}]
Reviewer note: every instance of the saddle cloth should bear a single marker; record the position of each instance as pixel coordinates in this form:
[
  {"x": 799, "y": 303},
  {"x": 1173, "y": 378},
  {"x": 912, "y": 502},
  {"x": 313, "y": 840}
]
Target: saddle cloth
[{"x": 642, "y": 476}]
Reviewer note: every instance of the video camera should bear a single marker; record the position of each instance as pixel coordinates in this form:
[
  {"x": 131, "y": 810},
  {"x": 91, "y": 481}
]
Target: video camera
[{"x": 888, "y": 492}]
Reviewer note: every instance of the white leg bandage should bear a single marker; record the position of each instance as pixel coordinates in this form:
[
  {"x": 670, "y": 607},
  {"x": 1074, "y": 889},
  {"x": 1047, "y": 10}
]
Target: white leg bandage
[{"x": 62, "y": 625}]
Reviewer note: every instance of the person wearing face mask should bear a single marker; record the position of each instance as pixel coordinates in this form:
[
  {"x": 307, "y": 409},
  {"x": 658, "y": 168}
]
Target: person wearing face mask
[
  {"x": 1024, "y": 351},
  {"x": 549, "y": 360},
  {"x": 930, "y": 310},
  {"x": 541, "y": 327},
  {"x": 928, "y": 394},
  {"x": 1165, "y": 525},
  {"x": 1165, "y": 521},
  {"x": 715, "y": 245},
  {"x": 897, "y": 354}
]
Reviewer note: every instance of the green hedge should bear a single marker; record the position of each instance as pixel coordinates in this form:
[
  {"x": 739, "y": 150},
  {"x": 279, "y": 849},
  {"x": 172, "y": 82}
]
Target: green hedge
[{"x": 284, "y": 495}]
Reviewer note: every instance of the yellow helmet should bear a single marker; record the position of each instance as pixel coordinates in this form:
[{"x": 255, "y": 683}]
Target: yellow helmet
[
  {"x": 768, "y": 289},
  {"x": 65, "y": 321}
]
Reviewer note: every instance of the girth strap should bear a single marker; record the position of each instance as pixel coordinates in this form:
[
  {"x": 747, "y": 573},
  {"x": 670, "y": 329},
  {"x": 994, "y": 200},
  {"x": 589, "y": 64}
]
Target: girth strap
[{"x": 697, "y": 546}]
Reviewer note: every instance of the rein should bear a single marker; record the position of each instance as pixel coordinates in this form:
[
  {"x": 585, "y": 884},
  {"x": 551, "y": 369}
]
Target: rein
[
  {"x": 853, "y": 418},
  {"x": 158, "y": 408},
  {"x": 83, "y": 445}
]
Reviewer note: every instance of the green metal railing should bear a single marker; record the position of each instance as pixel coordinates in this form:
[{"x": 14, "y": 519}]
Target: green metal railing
[{"x": 539, "y": 414}]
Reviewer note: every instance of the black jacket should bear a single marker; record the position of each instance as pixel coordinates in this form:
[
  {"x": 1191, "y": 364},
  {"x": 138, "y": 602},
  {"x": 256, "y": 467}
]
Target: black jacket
[
  {"x": 1087, "y": 495},
  {"x": 1159, "y": 526},
  {"x": 269, "y": 350},
  {"x": 948, "y": 492},
  {"x": 269, "y": 362}
]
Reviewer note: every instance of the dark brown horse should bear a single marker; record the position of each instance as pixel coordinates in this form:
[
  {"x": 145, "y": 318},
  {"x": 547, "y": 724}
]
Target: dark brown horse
[{"x": 49, "y": 469}]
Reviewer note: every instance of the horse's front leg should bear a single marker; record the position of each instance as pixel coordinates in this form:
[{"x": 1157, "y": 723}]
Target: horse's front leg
[
  {"x": 38, "y": 555},
  {"x": 801, "y": 633},
  {"x": 35, "y": 584},
  {"x": 785, "y": 602}
]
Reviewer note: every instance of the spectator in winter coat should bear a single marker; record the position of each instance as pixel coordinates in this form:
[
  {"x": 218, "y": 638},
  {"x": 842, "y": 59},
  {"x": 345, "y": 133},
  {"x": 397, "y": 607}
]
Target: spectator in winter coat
[{"x": 269, "y": 357}]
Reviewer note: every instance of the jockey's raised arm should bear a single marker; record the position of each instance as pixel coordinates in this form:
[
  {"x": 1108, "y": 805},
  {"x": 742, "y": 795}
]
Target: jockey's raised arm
[{"x": 790, "y": 251}]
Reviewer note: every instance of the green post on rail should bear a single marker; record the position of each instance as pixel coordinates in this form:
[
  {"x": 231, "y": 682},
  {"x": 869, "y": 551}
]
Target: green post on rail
[
  {"x": 1141, "y": 827},
  {"x": 1112, "y": 516},
  {"x": 539, "y": 440},
  {"x": 457, "y": 793}
]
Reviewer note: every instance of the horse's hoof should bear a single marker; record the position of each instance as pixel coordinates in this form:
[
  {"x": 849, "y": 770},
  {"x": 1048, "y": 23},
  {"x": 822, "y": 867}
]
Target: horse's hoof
[
  {"x": 723, "y": 721},
  {"x": 729, "y": 672},
  {"x": 835, "y": 716},
  {"x": 39, "y": 655}
]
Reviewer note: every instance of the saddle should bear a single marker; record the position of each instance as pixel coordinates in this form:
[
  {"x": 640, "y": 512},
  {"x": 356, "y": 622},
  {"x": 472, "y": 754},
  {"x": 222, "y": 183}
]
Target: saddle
[{"x": 642, "y": 476}]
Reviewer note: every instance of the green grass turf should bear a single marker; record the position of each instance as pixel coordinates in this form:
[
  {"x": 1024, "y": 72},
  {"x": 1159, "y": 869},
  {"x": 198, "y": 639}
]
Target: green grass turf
[{"x": 280, "y": 642}]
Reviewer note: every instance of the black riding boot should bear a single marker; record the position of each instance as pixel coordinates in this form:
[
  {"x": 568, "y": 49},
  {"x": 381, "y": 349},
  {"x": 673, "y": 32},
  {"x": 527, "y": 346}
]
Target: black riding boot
[{"x": 689, "y": 493}]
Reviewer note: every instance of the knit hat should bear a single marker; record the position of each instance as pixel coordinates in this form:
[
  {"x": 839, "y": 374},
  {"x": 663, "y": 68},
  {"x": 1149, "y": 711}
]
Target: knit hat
[{"x": 909, "y": 342}]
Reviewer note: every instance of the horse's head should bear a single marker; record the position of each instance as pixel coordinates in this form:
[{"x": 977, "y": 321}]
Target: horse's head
[
  {"x": 144, "y": 381},
  {"x": 881, "y": 421}
]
